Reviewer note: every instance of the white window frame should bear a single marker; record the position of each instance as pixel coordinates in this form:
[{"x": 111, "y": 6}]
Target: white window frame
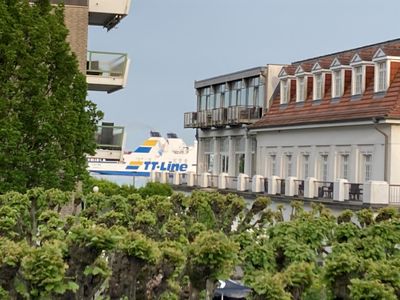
[
  {"x": 344, "y": 165},
  {"x": 285, "y": 90},
  {"x": 323, "y": 167},
  {"x": 316, "y": 88},
  {"x": 355, "y": 81},
  {"x": 288, "y": 165},
  {"x": 272, "y": 164},
  {"x": 366, "y": 177},
  {"x": 301, "y": 88},
  {"x": 224, "y": 162},
  {"x": 378, "y": 78},
  {"x": 337, "y": 92},
  {"x": 305, "y": 165}
]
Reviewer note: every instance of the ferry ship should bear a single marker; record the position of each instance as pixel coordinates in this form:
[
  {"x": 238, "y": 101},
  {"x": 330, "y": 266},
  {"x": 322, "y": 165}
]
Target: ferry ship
[{"x": 157, "y": 153}]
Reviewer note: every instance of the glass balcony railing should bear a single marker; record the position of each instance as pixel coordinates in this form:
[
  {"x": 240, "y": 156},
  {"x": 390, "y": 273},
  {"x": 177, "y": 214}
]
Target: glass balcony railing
[
  {"x": 106, "y": 64},
  {"x": 109, "y": 137},
  {"x": 106, "y": 71}
]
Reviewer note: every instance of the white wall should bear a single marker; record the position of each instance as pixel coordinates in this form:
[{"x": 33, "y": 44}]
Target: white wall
[{"x": 352, "y": 140}]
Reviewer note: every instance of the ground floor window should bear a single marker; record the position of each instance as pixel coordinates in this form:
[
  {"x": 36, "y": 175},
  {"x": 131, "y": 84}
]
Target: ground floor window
[
  {"x": 323, "y": 167},
  {"x": 209, "y": 162},
  {"x": 289, "y": 165},
  {"x": 272, "y": 165},
  {"x": 344, "y": 166},
  {"x": 239, "y": 163},
  {"x": 224, "y": 159},
  {"x": 367, "y": 167},
  {"x": 306, "y": 166}
]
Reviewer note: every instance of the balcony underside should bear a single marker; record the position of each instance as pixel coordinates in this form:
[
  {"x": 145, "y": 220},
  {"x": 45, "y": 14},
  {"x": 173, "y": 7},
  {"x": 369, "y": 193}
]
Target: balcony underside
[
  {"x": 104, "y": 84},
  {"x": 107, "y": 13},
  {"x": 104, "y": 19}
]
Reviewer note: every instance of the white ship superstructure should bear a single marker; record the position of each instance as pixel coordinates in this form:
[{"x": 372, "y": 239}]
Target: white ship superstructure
[{"x": 157, "y": 153}]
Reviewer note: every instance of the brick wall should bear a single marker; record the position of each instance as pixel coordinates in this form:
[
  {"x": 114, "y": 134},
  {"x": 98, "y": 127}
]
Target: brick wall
[{"x": 76, "y": 20}]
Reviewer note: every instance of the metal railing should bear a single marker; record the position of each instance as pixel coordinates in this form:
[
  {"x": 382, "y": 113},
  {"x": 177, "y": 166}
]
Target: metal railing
[
  {"x": 190, "y": 120},
  {"x": 219, "y": 116},
  {"x": 280, "y": 186},
  {"x": 183, "y": 178},
  {"x": 354, "y": 191},
  {"x": 214, "y": 181},
  {"x": 196, "y": 181},
  {"x": 204, "y": 118},
  {"x": 299, "y": 188},
  {"x": 249, "y": 183},
  {"x": 394, "y": 193},
  {"x": 324, "y": 189},
  {"x": 243, "y": 114},
  {"x": 106, "y": 64},
  {"x": 170, "y": 178},
  {"x": 265, "y": 182},
  {"x": 231, "y": 182}
]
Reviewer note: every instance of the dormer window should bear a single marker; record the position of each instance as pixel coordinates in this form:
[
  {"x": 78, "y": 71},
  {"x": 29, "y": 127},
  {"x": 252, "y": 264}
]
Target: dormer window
[
  {"x": 318, "y": 86},
  {"x": 285, "y": 91},
  {"x": 382, "y": 76},
  {"x": 337, "y": 83},
  {"x": 301, "y": 89},
  {"x": 360, "y": 64},
  {"x": 358, "y": 80},
  {"x": 385, "y": 59},
  {"x": 319, "y": 71}
]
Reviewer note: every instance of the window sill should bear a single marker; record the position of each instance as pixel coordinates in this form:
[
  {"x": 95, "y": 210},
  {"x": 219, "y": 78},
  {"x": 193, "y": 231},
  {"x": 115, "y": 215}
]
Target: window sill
[
  {"x": 335, "y": 99},
  {"x": 283, "y": 106},
  {"x": 356, "y": 97},
  {"x": 379, "y": 95},
  {"x": 317, "y": 102},
  {"x": 300, "y": 104}
]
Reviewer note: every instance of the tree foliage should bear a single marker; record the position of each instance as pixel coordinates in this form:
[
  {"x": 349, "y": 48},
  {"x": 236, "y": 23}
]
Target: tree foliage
[
  {"x": 46, "y": 124},
  {"x": 150, "y": 246}
]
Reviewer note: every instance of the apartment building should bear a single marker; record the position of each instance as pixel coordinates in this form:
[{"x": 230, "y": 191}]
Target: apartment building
[
  {"x": 105, "y": 71},
  {"x": 226, "y": 105},
  {"x": 335, "y": 117}
]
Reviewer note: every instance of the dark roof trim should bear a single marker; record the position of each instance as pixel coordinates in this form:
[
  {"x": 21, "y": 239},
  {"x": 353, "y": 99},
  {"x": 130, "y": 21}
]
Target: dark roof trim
[
  {"x": 345, "y": 51},
  {"x": 347, "y": 120},
  {"x": 230, "y": 77}
]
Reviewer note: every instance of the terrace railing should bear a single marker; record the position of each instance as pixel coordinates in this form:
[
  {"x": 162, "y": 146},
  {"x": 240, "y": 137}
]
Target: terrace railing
[
  {"x": 324, "y": 189},
  {"x": 299, "y": 188},
  {"x": 394, "y": 193},
  {"x": 231, "y": 182},
  {"x": 355, "y": 191}
]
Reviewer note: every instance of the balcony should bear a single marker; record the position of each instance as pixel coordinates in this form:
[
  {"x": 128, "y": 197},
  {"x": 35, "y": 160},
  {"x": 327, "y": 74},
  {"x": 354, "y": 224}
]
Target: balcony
[
  {"x": 219, "y": 117},
  {"x": 106, "y": 71},
  {"x": 243, "y": 115},
  {"x": 110, "y": 140},
  {"x": 190, "y": 120},
  {"x": 108, "y": 13},
  {"x": 204, "y": 119}
]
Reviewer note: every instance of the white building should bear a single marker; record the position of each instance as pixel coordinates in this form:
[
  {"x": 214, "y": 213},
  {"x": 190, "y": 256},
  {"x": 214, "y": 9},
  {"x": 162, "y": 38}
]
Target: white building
[{"x": 335, "y": 117}]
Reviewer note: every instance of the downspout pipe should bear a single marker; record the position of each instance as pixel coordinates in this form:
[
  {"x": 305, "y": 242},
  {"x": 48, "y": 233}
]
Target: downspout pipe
[{"x": 385, "y": 166}]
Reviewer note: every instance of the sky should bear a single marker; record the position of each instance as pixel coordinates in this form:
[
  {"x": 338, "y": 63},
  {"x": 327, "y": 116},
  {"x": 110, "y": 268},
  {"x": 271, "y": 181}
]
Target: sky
[{"x": 172, "y": 43}]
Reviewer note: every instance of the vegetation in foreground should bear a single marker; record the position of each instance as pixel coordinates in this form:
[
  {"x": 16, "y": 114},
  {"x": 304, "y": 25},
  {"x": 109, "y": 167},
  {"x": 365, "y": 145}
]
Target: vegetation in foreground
[
  {"x": 46, "y": 123},
  {"x": 137, "y": 244}
]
